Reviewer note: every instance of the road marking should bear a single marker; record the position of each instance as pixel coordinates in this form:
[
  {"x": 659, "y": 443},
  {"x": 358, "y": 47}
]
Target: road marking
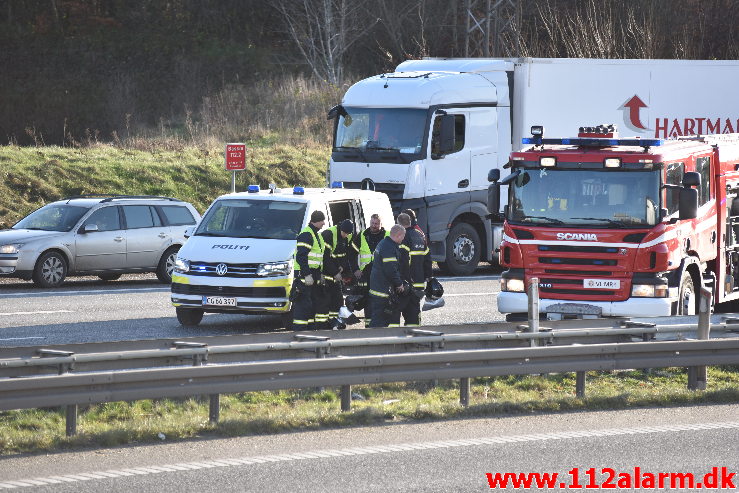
[
  {"x": 36, "y": 313},
  {"x": 493, "y": 277},
  {"x": 387, "y": 449},
  {"x": 21, "y": 338},
  {"x": 468, "y": 294},
  {"x": 84, "y": 291}
]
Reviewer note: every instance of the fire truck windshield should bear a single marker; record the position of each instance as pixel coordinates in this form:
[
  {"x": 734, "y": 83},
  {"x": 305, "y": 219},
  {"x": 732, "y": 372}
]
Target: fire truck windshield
[{"x": 577, "y": 198}]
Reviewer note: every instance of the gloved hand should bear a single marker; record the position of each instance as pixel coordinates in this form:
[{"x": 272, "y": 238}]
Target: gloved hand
[
  {"x": 358, "y": 274},
  {"x": 399, "y": 289},
  {"x": 338, "y": 277},
  {"x": 308, "y": 280}
]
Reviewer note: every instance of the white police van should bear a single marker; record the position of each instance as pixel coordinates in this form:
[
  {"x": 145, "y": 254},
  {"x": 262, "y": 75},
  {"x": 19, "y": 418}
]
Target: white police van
[{"x": 240, "y": 257}]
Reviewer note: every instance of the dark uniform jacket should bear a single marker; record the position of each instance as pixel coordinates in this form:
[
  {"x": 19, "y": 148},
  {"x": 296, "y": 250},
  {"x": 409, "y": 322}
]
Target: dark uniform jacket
[
  {"x": 335, "y": 256},
  {"x": 415, "y": 261},
  {"x": 301, "y": 254},
  {"x": 385, "y": 268}
]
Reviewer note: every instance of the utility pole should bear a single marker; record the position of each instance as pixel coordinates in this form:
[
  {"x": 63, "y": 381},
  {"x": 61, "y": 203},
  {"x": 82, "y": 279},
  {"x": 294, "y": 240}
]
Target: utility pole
[{"x": 489, "y": 25}]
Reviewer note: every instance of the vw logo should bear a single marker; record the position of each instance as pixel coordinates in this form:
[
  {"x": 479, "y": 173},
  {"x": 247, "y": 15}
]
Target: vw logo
[
  {"x": 368, "y": 184},
  {"x": 221, "y": 269}
]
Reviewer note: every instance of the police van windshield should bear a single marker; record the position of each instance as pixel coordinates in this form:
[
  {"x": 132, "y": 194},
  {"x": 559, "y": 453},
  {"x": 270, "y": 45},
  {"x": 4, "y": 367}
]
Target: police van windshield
[
  {"x": 576, "y": 198},
  {"x": 52, "y": 218},
  {"x": 247, "y": 218},
  {"x": 398, "y": 130}
]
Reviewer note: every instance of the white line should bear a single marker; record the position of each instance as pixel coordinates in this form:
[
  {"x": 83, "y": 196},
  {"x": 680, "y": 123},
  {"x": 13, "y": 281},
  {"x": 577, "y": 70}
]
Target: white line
[
  {"x": 387, "y": 449},
  {"x": 36, "y": 313},
  {"x": 492, "y": 277},
  {"x": 468, "y": 294},
  {"x": 83, "y": 291},
  {"x": 21, "y": 338}
]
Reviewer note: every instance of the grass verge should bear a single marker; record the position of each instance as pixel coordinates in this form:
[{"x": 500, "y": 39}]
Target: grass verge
[
  {"x": 252, "y": 413},
  {"x": 33, "y": 176}
]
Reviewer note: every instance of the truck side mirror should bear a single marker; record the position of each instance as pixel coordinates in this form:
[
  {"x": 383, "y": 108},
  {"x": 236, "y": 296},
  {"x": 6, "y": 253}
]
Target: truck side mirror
[
  {"x": 692, "y": 179},
  {"x": 447, "y": 137},
  {"x": 494, "y": 198},
  {"x": 494, "y": 175},
  {"x": 688, "y": 203}
]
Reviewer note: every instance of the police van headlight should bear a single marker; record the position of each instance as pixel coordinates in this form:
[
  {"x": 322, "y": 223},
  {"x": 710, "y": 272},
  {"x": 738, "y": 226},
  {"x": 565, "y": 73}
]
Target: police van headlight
[
  {"x": 274, "y": 269},
  {"x": 512, "y": 285},
  {"x": 181, "y": 265},
  {"x": 649, "y": 291}
]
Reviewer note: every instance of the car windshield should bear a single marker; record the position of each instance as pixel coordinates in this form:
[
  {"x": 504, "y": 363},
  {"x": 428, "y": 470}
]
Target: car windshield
[
  {"x": 595, "y": 198},
  {"x": 246, "y": 218},
  {"x": 55, "y": 217},
  {"x": 382, "y": 129}
]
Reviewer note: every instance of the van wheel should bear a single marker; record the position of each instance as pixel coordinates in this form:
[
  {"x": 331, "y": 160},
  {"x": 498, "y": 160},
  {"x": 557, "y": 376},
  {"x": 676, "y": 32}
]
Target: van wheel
[
  {"x": 687, "y": 301},
  {"x": 50, "y": 270},
  {"x": 166, "y": 265},
  {"x": 463, "y": 249},
  {"x": 189, "y": 317}
]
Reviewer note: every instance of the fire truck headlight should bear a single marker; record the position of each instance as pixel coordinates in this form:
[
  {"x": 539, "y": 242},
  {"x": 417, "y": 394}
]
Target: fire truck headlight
[
  {"x": 512, "y": 285},
  {"x": 649, "y": 290},
  {"x": 547, "y": 161},
  {"x": 612, "y": 162}
]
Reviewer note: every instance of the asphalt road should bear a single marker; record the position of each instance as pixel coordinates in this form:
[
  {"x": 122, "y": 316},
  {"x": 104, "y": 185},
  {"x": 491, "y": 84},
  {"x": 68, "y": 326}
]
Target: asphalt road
[
  {"x": 438, "y": 456},
  {"x": 138, "y": 307}
]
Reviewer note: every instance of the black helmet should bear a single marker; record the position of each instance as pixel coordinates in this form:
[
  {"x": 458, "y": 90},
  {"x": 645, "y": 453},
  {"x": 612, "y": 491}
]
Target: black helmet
[
  {"x": 434, "y": 289},
  {"x": 355, "y": 302}
]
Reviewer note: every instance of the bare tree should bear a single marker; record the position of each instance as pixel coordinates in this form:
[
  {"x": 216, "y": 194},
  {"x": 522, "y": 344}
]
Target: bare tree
[{"x": 324, "y": 32}]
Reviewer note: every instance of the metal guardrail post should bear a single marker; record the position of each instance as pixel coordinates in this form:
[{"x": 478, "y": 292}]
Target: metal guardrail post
[
  {"x": 214, "y": 400},
  {"x": 433, "y": 346},
  {"x": 698, "y": 375},
  {"x": 464, "y": 391},
  {"x": 71, "y": 410},
  {"x": 321, "y": 351},
  {"x": 346, "y": 398},
  {"x": 533, "y": 297},
  {"x": 580, "y": 384}
]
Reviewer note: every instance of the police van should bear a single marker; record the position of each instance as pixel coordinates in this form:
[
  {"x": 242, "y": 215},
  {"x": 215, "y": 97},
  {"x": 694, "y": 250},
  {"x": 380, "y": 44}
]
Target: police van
[{"x": 240, "y": 257}]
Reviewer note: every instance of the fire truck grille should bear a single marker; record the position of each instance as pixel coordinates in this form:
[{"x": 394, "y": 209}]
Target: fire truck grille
[
  {"x": 604, "y": 273},
  {"x": 594, "y": 292},
  {"x": 577, "y": 261},
  {"x": 572, "y": 248}
]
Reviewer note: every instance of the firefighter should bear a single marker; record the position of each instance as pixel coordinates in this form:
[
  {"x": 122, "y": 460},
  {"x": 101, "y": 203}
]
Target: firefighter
[
  {"x": 385, "y": 278},
  {"x": 414, "y": 223},
  {"x": 307, "y": 283},
  {"x": 335, "y": 265},
  {"x": 415, "y": 268},
  {"x": 364, "y": 245}
]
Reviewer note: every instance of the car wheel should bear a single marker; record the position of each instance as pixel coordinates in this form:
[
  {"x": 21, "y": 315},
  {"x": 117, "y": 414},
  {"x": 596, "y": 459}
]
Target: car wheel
[
  {"x": 166, "y": 265},
  {"x": 50, "y": 270},
  {"x": 687, "y": 301},
  {"x": 109, "y": 277},
  {"x": 189, "y": 317},
  {"x": 463, "y": 249}
]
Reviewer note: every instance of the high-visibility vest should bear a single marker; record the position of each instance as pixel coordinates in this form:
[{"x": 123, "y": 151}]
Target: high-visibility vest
[
  {"x": 315, "y": 256},
  {"x": 365, "y": 255},
  {"x": 335, "y": 237}
]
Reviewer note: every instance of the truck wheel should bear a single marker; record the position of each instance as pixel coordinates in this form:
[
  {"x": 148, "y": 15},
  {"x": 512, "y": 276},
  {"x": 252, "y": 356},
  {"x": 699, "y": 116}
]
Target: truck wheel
[
  {"x": 687, "y": 301},
  {"x": 463, "y": 249},
  {"x": 166, "y": 265},
  {"x": 189, "y": 317},
  {"x": 50, "y": 270}
]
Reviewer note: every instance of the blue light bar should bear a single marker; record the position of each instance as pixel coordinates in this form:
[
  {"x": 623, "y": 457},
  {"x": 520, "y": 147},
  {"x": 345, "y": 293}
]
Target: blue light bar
[
  {"x": 594, "y": 142},
  {"x": 298, "y": 191},
  {"x": 253, "y": 189},
  {"x": 337, "y": 184}
]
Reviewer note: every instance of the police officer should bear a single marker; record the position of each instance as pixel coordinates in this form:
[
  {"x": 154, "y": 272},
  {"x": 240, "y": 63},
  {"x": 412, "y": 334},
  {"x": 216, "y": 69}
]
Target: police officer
[
  {"x": 335, "y": 265},
  {"x": 308, "y": 266},
  {"x": 364, "y": 245},
  {"x": 385, "y": 278},
  {"x": 415, "y": 268}
]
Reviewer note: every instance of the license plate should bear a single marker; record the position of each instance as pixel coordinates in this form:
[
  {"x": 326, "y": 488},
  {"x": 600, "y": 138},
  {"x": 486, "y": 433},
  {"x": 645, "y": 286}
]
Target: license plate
[
  {"x": 601, "y": 283},
  {"x": 219, "y": 301}
]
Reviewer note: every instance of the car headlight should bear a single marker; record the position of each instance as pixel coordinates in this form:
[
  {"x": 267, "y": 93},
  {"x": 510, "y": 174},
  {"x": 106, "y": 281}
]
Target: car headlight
[
  {"x": 181, "y": 265},
  {"x": 512, "y": 285},
  {"x": 274, "y": 269},
  {"x": 15, "y": 248},
  {"x": 649, "y": 290}
]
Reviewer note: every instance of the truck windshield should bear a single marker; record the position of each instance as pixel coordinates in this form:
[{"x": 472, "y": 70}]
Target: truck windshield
[
  {"x": 245, "y": 218},
  {"x": 576, "y": 198},
  {"x": 381, "y": 129},
  {"x": 52, "y": 218}
]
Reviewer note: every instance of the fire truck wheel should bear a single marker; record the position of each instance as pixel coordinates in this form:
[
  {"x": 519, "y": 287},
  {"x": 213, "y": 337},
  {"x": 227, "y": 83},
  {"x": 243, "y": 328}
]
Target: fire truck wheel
[
  {"x": 687, "y": 302},
  {"x": 463, "y": 249}
]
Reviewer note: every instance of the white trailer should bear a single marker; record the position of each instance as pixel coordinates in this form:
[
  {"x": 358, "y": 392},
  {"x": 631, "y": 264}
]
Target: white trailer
[{"x": 428, "y": 133}]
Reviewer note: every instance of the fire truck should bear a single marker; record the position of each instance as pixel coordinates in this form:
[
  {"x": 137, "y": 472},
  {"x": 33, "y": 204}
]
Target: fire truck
[{"x": 613, "y": 226}]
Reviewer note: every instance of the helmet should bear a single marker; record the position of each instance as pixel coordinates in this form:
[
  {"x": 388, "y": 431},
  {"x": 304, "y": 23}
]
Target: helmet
[
  {"x": 434, "y": 289},
  {"x": 355, "y": 302}
]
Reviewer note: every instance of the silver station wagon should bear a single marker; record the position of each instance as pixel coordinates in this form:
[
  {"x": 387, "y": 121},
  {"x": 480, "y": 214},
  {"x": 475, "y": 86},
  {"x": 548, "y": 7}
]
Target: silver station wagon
[{"x": 103, "y": 236}]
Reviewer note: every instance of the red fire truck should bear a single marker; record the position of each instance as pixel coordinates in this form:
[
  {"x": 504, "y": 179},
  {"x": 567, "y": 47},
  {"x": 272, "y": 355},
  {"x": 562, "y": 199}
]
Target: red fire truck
[{"x": 619, "y": 227}]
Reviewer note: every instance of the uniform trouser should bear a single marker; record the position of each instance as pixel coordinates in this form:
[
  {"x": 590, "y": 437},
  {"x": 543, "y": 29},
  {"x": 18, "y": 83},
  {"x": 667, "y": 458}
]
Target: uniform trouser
[
  {"x": 304, "y": 313},
  {"x": 380, "y": 316},
  {"x": 364, "y": 287},
  {"x": 334, "y": 298},
  {"x": 411, "y": 310}
]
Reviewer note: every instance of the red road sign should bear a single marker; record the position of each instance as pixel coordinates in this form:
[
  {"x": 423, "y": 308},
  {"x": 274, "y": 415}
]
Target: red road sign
[{"x": 235, "y": 157}]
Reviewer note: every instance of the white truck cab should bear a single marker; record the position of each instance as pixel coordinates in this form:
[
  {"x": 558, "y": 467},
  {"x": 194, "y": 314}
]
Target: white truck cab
[{"x": 240, "y": 258}]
